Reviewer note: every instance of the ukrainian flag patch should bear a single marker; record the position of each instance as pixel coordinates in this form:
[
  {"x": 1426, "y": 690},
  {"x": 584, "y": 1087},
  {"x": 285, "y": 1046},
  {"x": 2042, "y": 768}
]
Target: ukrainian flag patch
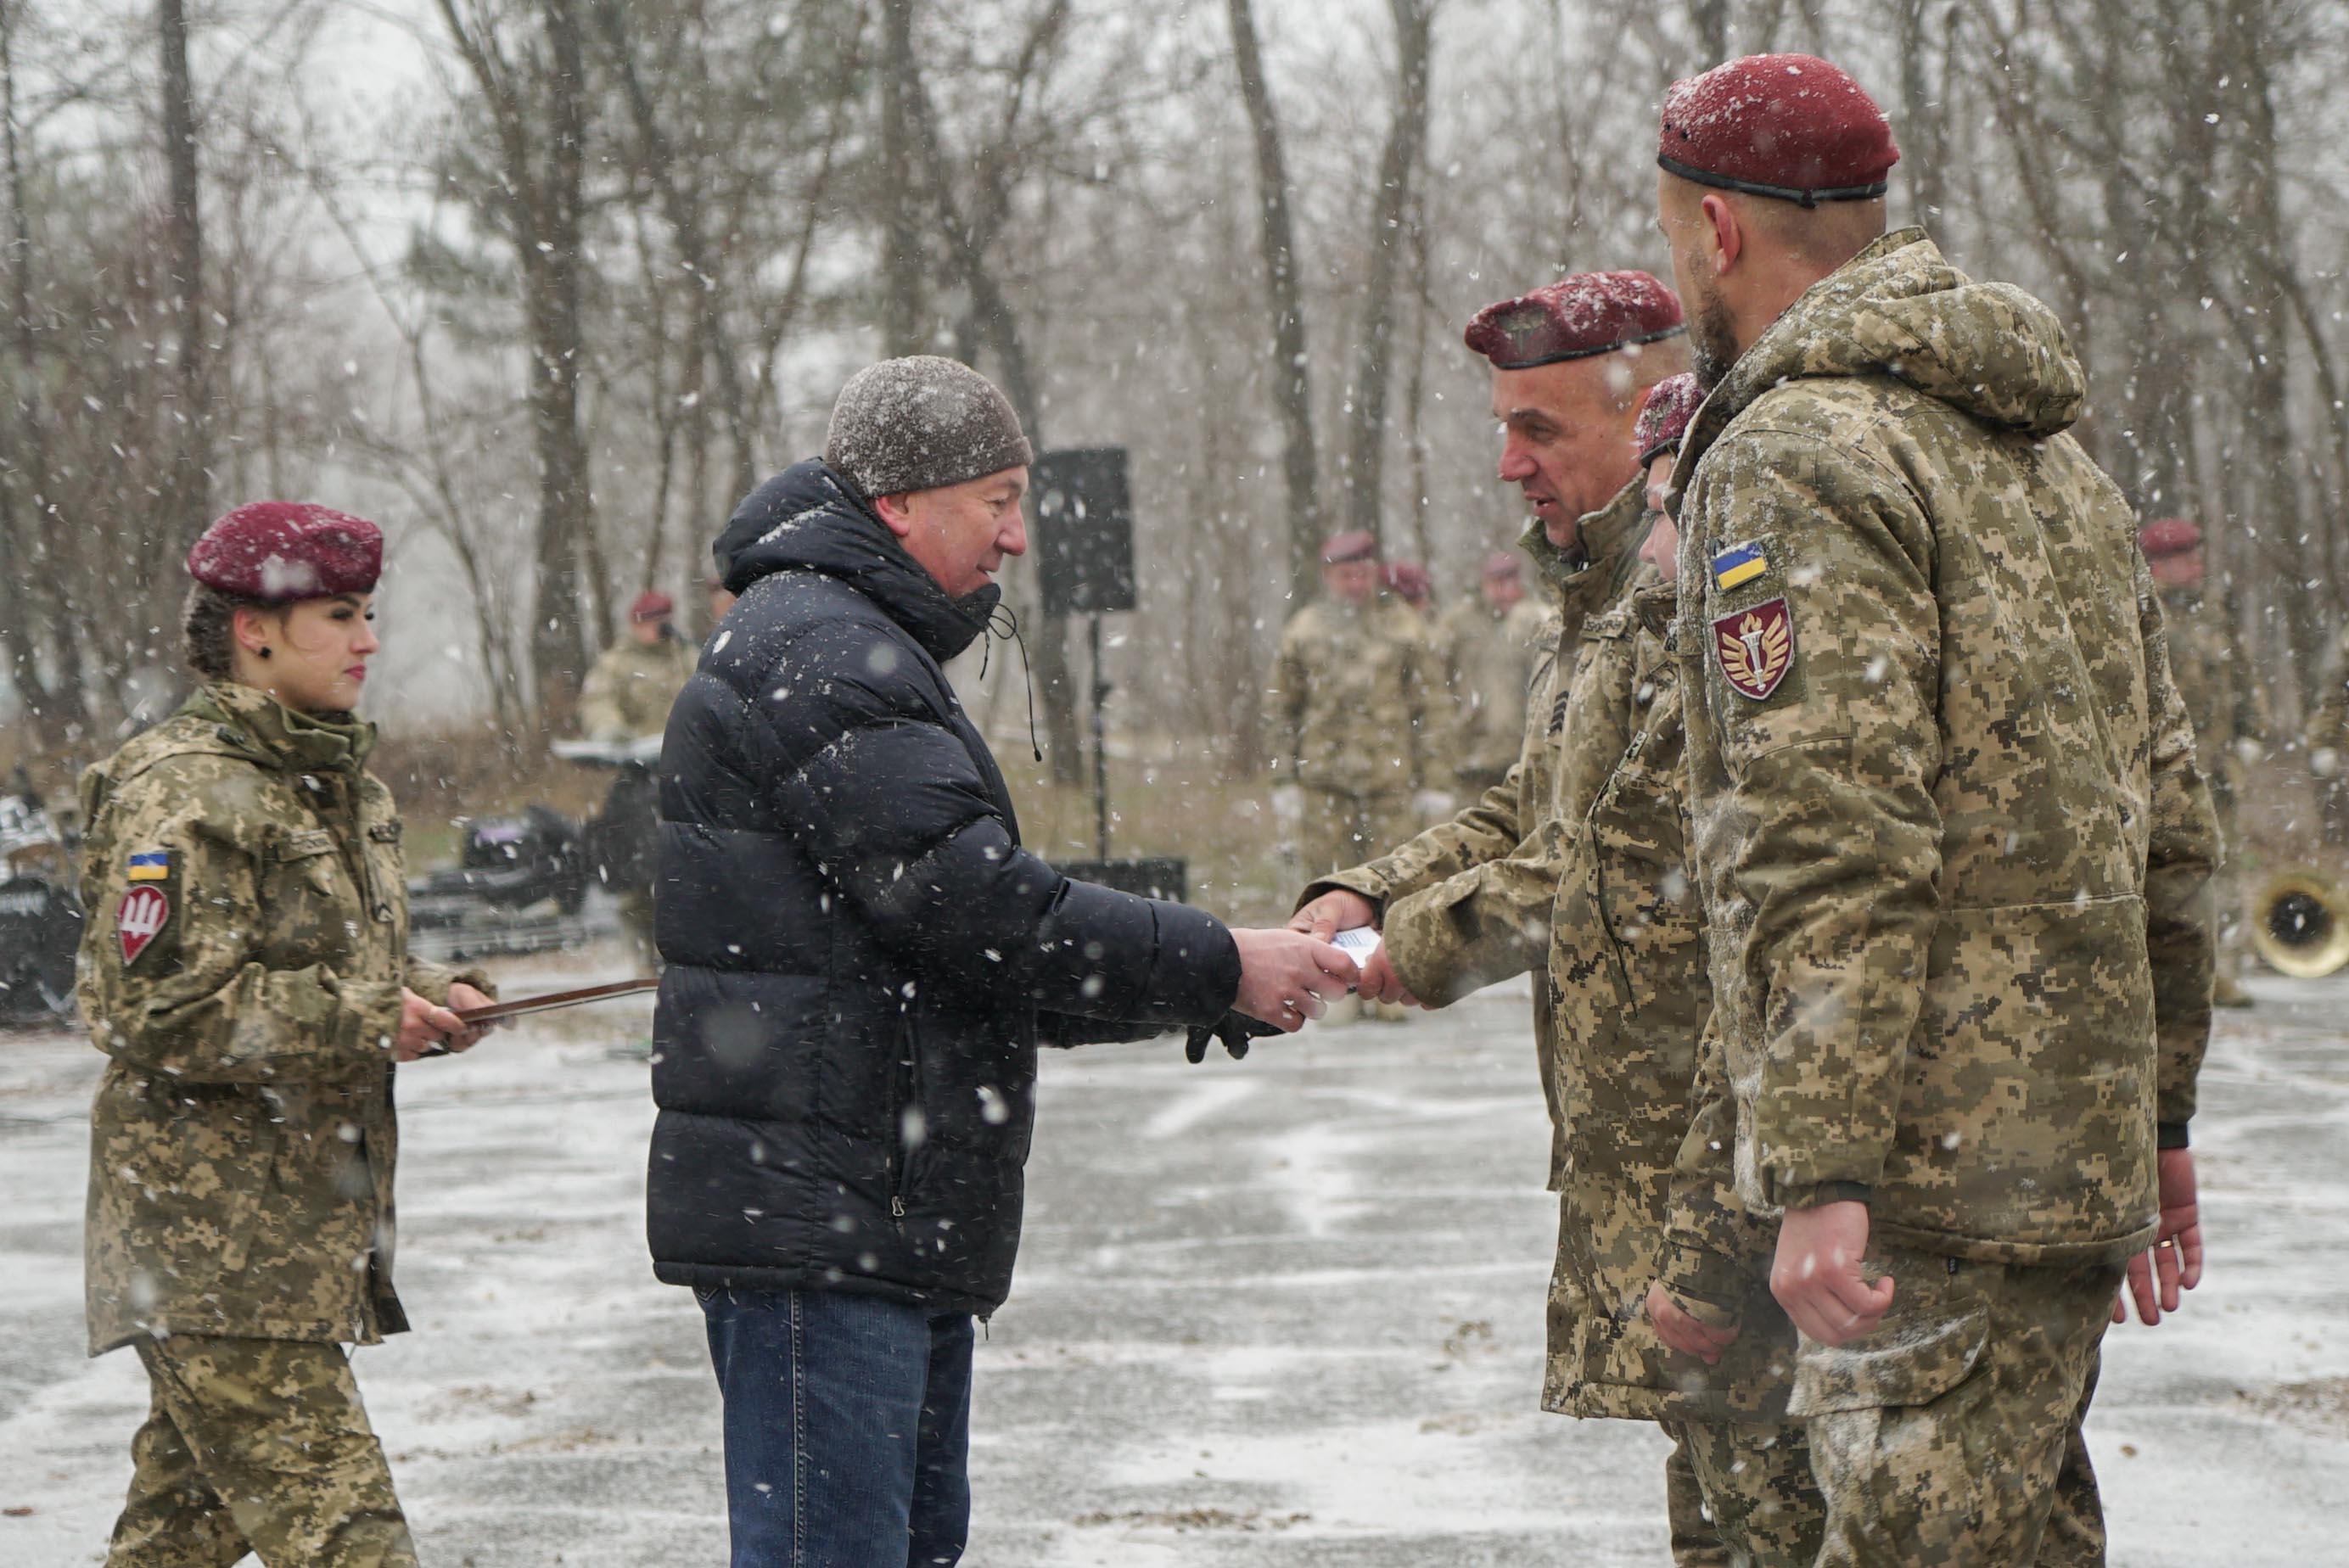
[
  {"x": 1738, "y": 564},
  {"x": 150, "y": 865}
]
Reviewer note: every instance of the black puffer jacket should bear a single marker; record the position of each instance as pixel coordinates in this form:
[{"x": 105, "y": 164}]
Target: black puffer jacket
[{"x": 861, "y": 956}]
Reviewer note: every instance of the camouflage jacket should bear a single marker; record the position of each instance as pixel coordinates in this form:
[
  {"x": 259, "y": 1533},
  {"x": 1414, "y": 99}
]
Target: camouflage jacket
[
  {"x": 1485, "y": 891},
  {"x": 1350, "y": 688},
  {"x": 1629, "y": 998},
  {"x": 631, "y": 687},
  {"x": 1953, "y": 849},
  {"x": 243, "y": 966},
  {"x": 2216, "y": 685},
  {"x": 1488, "y": 663}
]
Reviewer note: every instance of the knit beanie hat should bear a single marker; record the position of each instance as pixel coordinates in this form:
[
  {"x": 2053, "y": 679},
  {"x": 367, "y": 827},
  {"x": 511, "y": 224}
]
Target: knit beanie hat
[{"x": 919, "y": 423}]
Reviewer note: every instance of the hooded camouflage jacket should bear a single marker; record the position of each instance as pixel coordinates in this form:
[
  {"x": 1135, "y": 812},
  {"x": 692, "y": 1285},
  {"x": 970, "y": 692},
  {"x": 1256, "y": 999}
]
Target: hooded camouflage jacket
[
  {"x": 1953, "y": 849},
  {"x": 1489, "y": 917},
  {"x": 243, "y": 966},
  {"x": 1630, "y": 1000}
]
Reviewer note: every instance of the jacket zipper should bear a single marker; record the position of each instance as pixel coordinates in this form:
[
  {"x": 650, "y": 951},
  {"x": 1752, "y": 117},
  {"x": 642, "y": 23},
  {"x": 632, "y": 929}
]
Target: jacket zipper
[{"x": 907, "y": 1083}]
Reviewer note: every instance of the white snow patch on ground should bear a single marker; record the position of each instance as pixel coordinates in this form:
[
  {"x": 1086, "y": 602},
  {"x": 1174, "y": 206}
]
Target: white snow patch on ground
[{"x": 1284, "y": 1313}]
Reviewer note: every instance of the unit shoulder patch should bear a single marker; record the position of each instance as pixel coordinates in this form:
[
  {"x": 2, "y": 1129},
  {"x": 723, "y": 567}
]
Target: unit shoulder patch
[{"x": 1754, "y": 648}]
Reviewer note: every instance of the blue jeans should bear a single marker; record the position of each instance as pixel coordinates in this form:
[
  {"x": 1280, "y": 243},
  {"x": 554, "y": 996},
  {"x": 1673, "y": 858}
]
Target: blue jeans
[{"x": 847, "y": 1428}]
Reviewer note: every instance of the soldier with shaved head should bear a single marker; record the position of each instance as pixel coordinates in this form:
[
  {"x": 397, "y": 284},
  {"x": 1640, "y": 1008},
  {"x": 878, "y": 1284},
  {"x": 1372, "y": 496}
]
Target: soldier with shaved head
[{"x": 1950, "y": 839}]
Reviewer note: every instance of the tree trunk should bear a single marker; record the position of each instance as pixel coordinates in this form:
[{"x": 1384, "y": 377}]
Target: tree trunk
[
  {"x": 550, "y": 243},
  {"x": 1292, "y": 389},
  {"x": 56, "y": 703},
  {"x": 681, "y": 205},
  {"x": 1389, "y": 205},
  {"x": 187, "y": 505},
  {"x": 902, "y": 325}
]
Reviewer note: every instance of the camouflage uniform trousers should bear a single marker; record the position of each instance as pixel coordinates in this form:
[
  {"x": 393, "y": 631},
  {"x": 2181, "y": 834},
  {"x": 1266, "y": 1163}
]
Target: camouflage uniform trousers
[
  {"x": 1345, "y": 829},
  {"x": 1951, "y": 1435},
  {"x": 1740, "y": 1495},
  {"x": 258, "y": 1446}
]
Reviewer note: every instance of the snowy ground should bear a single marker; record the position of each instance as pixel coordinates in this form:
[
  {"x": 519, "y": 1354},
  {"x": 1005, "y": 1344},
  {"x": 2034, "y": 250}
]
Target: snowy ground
[{"x": 1284, "y": 1311}]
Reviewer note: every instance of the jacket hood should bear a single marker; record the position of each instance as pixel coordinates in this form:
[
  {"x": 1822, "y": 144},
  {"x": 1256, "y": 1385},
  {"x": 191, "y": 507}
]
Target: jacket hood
[
  {"x": 1898, "y": 309},
  {"x": 809, "y": 519}
]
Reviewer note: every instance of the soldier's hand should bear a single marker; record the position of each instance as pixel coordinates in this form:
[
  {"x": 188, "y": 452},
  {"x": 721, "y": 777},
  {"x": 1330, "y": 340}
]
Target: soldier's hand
[
  {"x": 1338, "y": 910},
  {"x": 1287, "y": 977},
  {"x": 426, "y": 1029},
  {"x": 1684, "y": 1333},
  {"x": 2175, "y": 1258},
  {"x": 1380, "y": 983},
  {"x": 464, "y": 998},
  {"x": 1815, "y": 1276}
]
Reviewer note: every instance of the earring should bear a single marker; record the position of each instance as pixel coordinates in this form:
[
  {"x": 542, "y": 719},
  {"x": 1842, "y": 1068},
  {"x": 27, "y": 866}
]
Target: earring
[{"x": 264, "y": 653}]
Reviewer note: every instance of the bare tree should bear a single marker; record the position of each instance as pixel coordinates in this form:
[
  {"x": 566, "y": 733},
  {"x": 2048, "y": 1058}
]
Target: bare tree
[
  {"x": 1292, "y": 383},
  {"x": 1414, "y": 22},
  {"x": 188, "y": 501},
  {"x": 536, "y": 101}
]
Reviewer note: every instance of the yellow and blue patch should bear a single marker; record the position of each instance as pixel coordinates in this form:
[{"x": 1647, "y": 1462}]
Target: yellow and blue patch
[
  {"x": 150, "y": 865},
  {"x": 1740, "y": 563}
]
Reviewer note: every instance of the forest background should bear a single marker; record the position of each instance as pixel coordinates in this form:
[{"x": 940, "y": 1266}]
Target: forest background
[{"x": 545, "y": 285}]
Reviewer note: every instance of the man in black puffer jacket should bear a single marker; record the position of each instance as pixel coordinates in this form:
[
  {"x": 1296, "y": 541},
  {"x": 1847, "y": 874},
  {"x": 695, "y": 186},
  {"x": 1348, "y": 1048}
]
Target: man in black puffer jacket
[{"x": 862, "y": 962}]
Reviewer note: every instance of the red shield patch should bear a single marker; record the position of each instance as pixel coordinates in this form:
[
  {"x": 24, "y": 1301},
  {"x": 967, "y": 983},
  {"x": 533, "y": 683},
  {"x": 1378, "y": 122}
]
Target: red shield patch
[
  {"x": 144, "y": 912},
  {"x": 1754, "y": 648}
]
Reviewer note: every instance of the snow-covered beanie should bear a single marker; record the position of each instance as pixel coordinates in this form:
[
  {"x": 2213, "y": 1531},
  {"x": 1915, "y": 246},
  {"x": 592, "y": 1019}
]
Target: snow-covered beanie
[{"x": 919, "y": 423}]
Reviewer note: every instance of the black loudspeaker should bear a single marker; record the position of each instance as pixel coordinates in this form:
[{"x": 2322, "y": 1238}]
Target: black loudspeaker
[{"x": 1084, "y": 531}]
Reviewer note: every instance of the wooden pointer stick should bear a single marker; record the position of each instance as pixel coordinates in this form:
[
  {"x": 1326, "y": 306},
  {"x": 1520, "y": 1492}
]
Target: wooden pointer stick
[{"x": 496, "y": 1011}]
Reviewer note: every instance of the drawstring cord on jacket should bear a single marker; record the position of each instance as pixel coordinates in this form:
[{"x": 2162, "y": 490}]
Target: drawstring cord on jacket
[{"x": 1010, "y": 628}]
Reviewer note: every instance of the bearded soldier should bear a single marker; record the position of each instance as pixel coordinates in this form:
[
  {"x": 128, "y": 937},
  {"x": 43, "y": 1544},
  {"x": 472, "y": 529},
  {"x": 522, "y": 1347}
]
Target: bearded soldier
[{"x": 1953, "y": 846}]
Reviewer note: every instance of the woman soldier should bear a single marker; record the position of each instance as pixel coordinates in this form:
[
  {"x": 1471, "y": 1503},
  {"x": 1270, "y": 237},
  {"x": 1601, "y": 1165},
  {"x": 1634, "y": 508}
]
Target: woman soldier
[{"x": 245, "y": 965}]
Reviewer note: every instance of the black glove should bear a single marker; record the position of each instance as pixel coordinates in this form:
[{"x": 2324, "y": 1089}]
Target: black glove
[{"x": 1235, "y": 1029}]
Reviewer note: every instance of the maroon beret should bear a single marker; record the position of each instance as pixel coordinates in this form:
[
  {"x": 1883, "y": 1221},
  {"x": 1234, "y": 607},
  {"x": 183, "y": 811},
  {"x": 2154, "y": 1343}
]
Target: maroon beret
[
  {"x": 2169, "y": 536},
  {"x": 1664, "y": 416},
  {"x": 1354, "y": 544},
  {"x": 1788, "y": 125},
  {"x": 281, "y": 551},
  {"x": 1589, "y": 312},
  {"x": 1409, "y": 581},
  {"x": 652, "y": 605},
  {"x": 1503, "y": 563}
]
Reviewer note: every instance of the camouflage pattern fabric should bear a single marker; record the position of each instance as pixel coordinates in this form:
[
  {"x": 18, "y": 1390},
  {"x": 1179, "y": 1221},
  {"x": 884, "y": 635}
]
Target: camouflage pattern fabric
[
  {"x": 1488, "y": 664},
  {"x": 1950, "y": 1436},
  {"x": 1349, "y": 690},
  {"x": 2224, "y": 704},
  {"x": 243, "y": 966},
  {"x": 1952, "y": 846},
  {"x": 1741, "y": 1495},
  {"x": 1629, "y": 998},
  {"x": 1339, "y": 829},
  {"x": 631, "y": 686},
  {"x": 259, "y": 1446},
  {"x": 1500, "y": 894}
]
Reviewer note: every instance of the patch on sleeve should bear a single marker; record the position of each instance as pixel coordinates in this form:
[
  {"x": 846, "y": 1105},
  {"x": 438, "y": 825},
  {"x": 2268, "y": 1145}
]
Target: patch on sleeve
[
  {"x": 1754, "y": 648},
  {"x": 150, "y": 865},
  {"x": 1738, "y": 564},
  {"x": 140, "y": 919}
]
